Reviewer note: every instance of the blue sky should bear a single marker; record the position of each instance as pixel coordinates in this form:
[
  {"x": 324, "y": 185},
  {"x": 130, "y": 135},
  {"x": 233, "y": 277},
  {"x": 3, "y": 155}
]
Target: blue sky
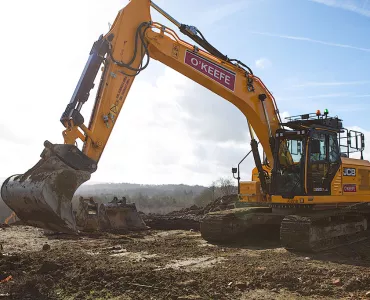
[
  {"x": 317, "y": 51},
  {"x": 311, "y": 54}
]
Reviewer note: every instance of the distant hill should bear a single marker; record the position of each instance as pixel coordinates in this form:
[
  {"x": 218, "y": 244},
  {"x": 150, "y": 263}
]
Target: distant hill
[
  {"x": 131, "y": 188},
  {"x": 148, "y": 198}
]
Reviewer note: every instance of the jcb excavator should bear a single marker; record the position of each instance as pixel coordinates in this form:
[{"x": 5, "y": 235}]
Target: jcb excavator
[{"x": 303, "y": 184}]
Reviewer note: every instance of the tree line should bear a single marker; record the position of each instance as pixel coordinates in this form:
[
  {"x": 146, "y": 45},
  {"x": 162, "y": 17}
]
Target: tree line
[{"x": 150, "y": 198}]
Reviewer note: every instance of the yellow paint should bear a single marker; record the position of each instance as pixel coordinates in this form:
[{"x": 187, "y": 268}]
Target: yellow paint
[{"x": 250, "y": 190}]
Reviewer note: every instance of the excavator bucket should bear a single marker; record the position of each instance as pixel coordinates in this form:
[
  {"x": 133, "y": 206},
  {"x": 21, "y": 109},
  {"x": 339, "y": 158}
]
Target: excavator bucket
[
  {"x": 119, "y": 216},
  {"x": 87, "y": 215},
  {"x": 42, "y": 196}
]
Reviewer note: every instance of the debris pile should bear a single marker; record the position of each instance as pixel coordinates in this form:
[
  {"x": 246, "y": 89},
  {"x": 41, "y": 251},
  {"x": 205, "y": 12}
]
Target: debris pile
[
  {"x": 4, "y": 225},
  {"x": 188, "y": 218}
]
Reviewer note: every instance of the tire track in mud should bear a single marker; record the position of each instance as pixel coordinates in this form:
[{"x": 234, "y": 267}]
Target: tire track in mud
[{"x": 173, "y": 265}]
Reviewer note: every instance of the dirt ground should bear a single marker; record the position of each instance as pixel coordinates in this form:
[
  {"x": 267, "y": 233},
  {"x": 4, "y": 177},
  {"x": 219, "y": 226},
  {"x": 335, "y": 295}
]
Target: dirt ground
[{"x": 175, "y": 264}]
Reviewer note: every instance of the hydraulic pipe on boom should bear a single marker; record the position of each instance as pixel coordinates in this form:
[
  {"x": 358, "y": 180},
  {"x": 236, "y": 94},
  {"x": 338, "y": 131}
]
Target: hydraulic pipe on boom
[{"x": 166, "y": 15}]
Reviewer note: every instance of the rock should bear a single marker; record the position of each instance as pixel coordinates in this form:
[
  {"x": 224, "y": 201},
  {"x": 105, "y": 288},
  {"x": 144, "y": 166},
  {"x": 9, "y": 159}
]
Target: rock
[
  {"x": 367, "y": 294},
  {"x": 307, "y": 258},
  {"x": 46, "y": 247},
  {"x": 241, "y": 285},
  {"x": 48, "y": 267},
  {"x": 337, "y": 281}
]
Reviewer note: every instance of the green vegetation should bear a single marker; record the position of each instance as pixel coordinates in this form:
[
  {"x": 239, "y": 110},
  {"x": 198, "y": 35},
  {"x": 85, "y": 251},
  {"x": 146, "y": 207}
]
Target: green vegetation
[{"x": 158, "y": 198}]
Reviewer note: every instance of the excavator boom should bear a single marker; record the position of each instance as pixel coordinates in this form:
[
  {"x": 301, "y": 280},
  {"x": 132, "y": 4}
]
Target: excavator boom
[{"x": 42, "y": 196}]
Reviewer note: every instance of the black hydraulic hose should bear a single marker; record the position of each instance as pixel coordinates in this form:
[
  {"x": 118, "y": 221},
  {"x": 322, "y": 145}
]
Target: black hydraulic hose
[
  {"x": 144, "y": 51},
  {"x": 222, "y": 56},
  {"x": 202, "y": 42}
]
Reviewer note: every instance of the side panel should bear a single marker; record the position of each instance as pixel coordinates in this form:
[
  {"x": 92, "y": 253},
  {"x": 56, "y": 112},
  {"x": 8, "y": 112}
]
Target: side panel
[
  {"x": 250, "y": 191},
  {"x": 336, "y": 184},
  {"x": 351, "y": 184},
  {"x": 356, "y": 179}
]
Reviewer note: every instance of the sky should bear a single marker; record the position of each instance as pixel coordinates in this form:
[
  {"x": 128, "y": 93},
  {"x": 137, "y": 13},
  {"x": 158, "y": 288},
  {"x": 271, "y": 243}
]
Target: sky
[{"x": 311, "y": 54}]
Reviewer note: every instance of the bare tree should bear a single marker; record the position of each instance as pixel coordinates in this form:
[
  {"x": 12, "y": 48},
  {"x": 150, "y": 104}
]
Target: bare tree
[{"x": 226, "y": 186}]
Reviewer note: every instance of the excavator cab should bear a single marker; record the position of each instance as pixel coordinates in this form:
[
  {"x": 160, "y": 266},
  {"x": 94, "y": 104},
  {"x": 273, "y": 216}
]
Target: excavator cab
[{"x": 308, "y": 155}]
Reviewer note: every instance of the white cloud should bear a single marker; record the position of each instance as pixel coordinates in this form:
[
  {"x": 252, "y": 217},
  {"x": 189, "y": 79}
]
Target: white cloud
[
  {"x": 173, "y": 131},
  {"x": 306, "y": 39},
  {"x": 217, "y": 13},
  {"x": 284, "y": 115},
  {"x": 263, "y": 63},
  {"x": 356, "y": 6}
]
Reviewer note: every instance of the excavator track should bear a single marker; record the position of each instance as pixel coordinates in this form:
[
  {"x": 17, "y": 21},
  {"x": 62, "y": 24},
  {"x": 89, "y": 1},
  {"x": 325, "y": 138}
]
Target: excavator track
[
  {"x": 322, "y": 231},
  {"x": 236, "y": 224},
  {"x": 311, "y": 231}
]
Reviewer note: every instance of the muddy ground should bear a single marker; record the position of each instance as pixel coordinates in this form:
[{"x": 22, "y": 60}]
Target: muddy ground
[{"x": 175, "y": 264}]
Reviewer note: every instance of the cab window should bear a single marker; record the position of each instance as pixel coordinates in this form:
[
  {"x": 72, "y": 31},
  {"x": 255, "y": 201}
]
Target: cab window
[
  {"x": 322, "y": 154},
  {"x": 334, "y": 155}
]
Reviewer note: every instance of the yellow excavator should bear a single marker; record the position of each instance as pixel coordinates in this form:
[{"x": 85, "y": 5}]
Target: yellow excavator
[{"x": 305, "y": 183}]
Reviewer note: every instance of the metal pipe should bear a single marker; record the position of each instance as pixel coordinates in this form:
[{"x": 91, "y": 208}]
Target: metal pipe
[
  {"x": 79, "y": 106},
  {"x": 252, "y": 138},
  {"x": 239, "y": 170},
  {"x": 262, "y": 98},
  {"x": 166, "y": 15},
  {"x": 250, "y": 130}
]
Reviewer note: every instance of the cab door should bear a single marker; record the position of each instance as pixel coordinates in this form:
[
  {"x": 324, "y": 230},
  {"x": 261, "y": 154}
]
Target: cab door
[{"x": 323, "y": 162}]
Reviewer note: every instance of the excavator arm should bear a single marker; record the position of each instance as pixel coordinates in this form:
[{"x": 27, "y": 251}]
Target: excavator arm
[
  {"x": 134, "y": 34},
  {"x": 42, "y": 196}
]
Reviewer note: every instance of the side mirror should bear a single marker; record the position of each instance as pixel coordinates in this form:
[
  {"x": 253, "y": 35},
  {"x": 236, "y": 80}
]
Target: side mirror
[
  {"x": 315, "y": 146},
  {"x": 234, "y": 170}
]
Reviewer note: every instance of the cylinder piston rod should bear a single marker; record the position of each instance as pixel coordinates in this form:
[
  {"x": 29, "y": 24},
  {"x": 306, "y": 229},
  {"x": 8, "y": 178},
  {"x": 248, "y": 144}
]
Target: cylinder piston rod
[{"x": 166, "y": 15}]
